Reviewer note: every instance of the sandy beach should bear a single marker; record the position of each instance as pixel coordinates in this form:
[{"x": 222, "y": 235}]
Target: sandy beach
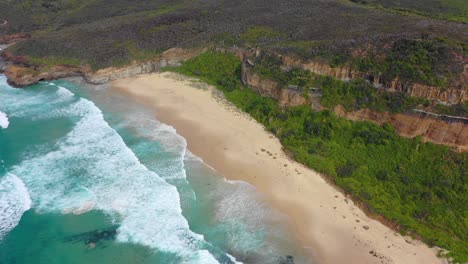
[{"x": 329, "y": 226}]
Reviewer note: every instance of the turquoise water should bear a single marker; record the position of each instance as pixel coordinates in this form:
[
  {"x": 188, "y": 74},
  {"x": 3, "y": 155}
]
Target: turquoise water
[{"x": 88, "y": 176}]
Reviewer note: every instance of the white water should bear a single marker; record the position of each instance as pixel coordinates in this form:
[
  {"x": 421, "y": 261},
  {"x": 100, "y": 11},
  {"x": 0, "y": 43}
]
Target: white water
[
  {"x": 92, "y": 168},
  {"x": 14, "y": 201},
  {"x": 4, "y": 120}
]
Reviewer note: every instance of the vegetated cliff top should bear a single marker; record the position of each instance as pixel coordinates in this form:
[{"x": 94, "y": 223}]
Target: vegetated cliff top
[
  {"x": 453, "y": 10},
  {"x": 114, "y": 32}
]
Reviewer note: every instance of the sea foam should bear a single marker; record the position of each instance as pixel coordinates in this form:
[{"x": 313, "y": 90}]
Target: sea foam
[
  {"x": 4, "y": 120},
  {"x": 14, "y": 201},
  {"x": 92, "y": 168}
]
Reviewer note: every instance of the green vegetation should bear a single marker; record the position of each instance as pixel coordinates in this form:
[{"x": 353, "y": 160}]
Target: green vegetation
[
  {"x": 353, "y": 95},
  {"x": 163, "y": 10},
  {"x": 359, "y": 94},
  {"x": 453, "y": 10},
  {"x": 460, "y": 109},
  {"x": 433, "y": 61},
  {"x": 135, "y": 53},
  {"x": 52, "y": 61},
  {"x": 422, "y": 61},
  {"x": 88, "y": 30},
  {"x": 420, "y": 186},
  {"x": 256, "y": 34}
]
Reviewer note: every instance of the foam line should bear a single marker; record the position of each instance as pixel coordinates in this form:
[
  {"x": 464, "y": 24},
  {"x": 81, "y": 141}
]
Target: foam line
[
  {"x": 14, "y": 201},
  {"x": 4, "y": 120},
  {"x": 92, "y": 168}
]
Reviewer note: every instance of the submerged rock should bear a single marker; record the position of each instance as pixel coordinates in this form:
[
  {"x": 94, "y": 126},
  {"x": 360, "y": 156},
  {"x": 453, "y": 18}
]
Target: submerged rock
[{"x": 93, "y": 237}]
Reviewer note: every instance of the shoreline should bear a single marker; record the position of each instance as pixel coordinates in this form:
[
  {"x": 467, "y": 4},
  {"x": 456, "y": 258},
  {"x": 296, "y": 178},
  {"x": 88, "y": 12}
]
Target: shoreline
[{"x": 328, "y": 225}]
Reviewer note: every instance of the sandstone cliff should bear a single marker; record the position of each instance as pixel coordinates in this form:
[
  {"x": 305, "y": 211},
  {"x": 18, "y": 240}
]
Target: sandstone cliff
[
  {"x": 439, "y": 130},
  {"x": 445, "y": 130},
  {"x": 286, "y": 96},
  {"x": 22, "y": 76},
  {"x": 19, "y": 73},
  {"x": 170, "y": 58},
  {"x": 449, "y": 95}
]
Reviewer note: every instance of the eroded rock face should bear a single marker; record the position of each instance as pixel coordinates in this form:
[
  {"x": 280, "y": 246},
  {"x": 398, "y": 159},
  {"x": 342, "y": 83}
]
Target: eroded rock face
[
  {"x": 342, "y": 73},
  {"x": 20, "y": 74},
  {"x": 450, "y": 95},
  {"x": 292, "y": 97},
  {"x": 264, "y": 87},
  {"x": 451, "y": 132}
]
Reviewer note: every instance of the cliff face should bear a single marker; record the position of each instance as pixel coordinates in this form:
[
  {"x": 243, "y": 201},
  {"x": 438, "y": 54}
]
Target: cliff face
[
  {"x": 19, "y": 73},
  {"x": 443, "y": 130},
  {"x": 432, "y": 129},
  {"x": 170, "y": 58},
  {"x": 22, "y": 76},
  {"x": 449, "y": 95},
  {"x": 286, "y": 96},
  {"x": 342, "y": 73}
]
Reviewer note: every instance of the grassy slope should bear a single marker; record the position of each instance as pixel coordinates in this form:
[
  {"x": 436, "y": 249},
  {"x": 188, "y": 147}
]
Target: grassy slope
[
  {"x": 453, "y": 10},
  {"x": 420, "y": 186}
]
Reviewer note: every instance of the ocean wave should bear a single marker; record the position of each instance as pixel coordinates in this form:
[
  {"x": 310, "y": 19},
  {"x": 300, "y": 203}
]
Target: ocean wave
[
  {"x": 4, "y": 120},
  {"x": 23, "y": 103},
  {"x": 92, "y": 168},
  {"x": 14, "y": 201},
  {"x": 152, "y": 134}
]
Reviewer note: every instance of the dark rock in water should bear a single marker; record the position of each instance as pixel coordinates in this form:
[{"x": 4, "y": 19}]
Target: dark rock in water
[
  {"x": 286, "y": 260},
  {"x": 93, "y": 237}
]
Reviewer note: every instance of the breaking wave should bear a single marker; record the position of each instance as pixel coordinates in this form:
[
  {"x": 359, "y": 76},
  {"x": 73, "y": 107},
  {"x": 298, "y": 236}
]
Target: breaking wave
[
  {"x": 4, "y": 120},
  {"x": 91, "y": 167},
  {"x": 14, "y": 201}
]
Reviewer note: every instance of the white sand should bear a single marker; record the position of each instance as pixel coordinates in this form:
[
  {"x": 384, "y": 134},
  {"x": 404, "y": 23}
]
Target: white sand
[{"x": 329, "y": 226}]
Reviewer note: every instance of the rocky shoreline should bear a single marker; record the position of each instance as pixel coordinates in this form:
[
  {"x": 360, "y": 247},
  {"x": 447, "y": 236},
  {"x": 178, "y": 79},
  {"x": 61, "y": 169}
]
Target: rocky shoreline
[{"x": 19, "y": 73}]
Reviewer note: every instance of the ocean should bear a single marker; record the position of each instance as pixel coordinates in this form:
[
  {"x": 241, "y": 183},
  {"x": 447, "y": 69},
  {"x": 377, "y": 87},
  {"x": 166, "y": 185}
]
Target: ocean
[{"x": 89, "y": 176}]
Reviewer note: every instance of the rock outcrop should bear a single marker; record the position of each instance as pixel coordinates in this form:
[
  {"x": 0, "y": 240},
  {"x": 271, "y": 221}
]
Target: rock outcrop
[
  {"x": 439, "y": 129},
  {"x": 286, "y": 96},
  {"x": 20, "y": 74},
  {"x": 449, "y": 95},
  {"x": 170, "y": 58},
  {"x": 8, "y": 39}
]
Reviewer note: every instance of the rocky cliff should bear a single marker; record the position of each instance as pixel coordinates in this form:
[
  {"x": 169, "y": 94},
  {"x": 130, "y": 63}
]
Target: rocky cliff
[
  {"x": 286, "y": 96},
  {"x": 170, "y": 58},
  {"x": 436, "y": 129},
  {"x": 445, "y": 130},
  {"x": 19, "y": 73},
  {"x": 449, "y": 95}
]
